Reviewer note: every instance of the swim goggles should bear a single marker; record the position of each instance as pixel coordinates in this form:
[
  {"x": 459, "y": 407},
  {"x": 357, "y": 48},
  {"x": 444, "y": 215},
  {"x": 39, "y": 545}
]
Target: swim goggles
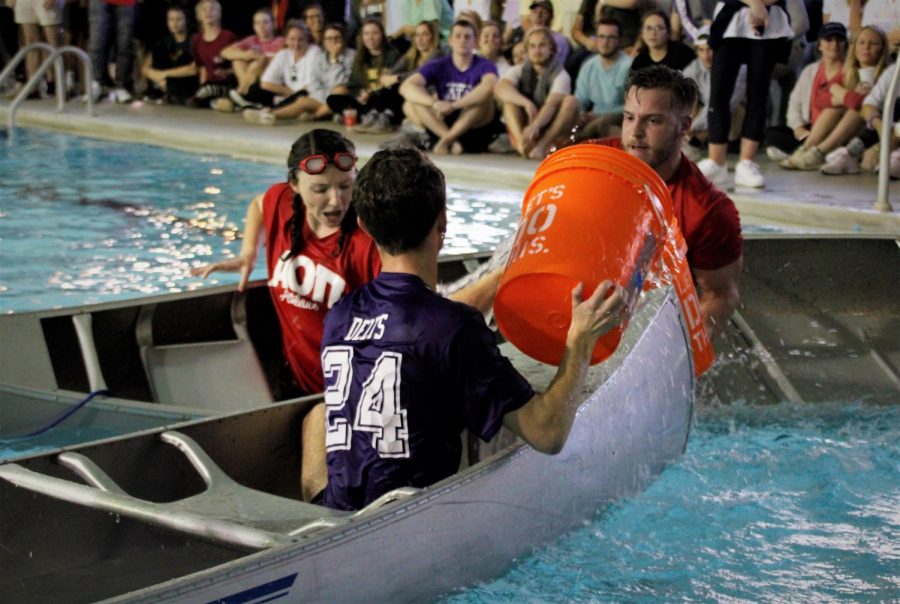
[{"x": 315, "y": 164}]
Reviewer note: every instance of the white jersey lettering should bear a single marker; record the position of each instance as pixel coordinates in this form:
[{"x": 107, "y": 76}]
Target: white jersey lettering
[{"x": 309, "y": 284}]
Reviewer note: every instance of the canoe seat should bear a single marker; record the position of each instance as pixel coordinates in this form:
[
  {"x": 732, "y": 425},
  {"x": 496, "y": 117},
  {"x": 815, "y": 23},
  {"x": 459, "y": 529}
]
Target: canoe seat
[
  {"x": 225, "y": 375},
  {"x": 225, "y": 512}
]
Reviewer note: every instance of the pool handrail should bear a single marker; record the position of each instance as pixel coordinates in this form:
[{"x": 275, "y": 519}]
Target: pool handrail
[
  {"x": 882, "y": 203},
  {"x": 51, "y": 60}
]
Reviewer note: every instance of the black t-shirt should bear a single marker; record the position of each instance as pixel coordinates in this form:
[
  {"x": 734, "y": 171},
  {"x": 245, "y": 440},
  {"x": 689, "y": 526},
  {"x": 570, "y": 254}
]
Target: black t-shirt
[
  {"x": 678, "y": 57},
  {"x": 168, "y": 53}
]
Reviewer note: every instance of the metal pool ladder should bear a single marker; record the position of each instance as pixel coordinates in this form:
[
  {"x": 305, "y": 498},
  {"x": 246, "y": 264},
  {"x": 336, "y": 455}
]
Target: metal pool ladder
[{"x": 52, "y": 60}]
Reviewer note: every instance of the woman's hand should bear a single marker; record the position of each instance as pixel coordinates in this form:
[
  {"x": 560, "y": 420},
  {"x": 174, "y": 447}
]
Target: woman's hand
[
  {"x": 241, "y": 264},
  {"x": 838, "y": 93}
]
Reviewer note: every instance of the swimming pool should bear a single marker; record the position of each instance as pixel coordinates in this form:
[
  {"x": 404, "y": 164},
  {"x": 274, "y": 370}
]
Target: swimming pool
[
  {"x": 768, "y": 504},
  {"x": 84, "y": 220}
]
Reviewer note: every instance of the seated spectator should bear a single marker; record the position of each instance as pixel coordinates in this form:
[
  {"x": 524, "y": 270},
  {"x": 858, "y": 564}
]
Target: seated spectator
[
  {"x": 288, "y": 77},
  {"x": 365, "y": 92},
  {"x": 657, "y": 48},
  {"x": 216, "y": 74},
  {"x": 538, "y": 107},
  {"x": 812, "y": 112},
  {"x": 462, "y": 115},
  {"x": 490, "y": 46},
  {"x": 518, "y": 53},
  {"x": 541, "y": 15},
  {"x": 885, "y": 15},
  {"x": 600, "y": 88},
  {"x": 583, "y": 32},
  {"x": 863, "y": 66},
  {"x": 169, "y": 68},
  {"x": 424, "y": 48},
  {"x": 423, "y": 343},
  {"x": 700, "y": 71},
  {"x": 250, "y": 56},
  {"x": 848, "y": 159},
  {"x": 628, "y": 13},
  {"x": 314, "y": 17}
]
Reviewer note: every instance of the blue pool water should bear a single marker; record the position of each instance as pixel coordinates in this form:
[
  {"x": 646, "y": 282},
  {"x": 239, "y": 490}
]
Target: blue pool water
[
  {"x": 779, "y": 504},
  {"x": 83, "y": 220},
  {"x": 789, "y": 503}
]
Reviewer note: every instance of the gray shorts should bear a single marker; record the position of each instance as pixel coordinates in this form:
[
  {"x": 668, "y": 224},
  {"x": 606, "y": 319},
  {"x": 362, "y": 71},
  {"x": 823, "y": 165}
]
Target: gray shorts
[{"x": 32, "y": 12}]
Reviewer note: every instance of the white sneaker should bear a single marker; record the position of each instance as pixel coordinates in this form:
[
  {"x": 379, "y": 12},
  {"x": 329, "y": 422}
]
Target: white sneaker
[
  {"x": 776, "y": 154},
  {"x": 841, "y": 162},
  {"x": 717, "y": 174},
  {"x": 895, "y": 163},
  {"x": 259, "y": 117},
  {"x": 747, "y": 174},
  {"x": 121, "y": 96}
]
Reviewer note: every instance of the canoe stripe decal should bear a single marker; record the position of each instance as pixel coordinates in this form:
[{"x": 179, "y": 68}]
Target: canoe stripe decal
[{"x": 261, "y": 593}]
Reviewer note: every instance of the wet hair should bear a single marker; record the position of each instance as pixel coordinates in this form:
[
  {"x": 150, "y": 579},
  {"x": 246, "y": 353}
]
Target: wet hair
[
  {"x": 399, "y": 194},
  {"x": 326, "y": 142},
  {"x": 684, "y": 90}
]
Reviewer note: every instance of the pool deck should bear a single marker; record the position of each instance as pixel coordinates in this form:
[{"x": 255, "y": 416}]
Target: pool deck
[{"x": 803, "y": 201}]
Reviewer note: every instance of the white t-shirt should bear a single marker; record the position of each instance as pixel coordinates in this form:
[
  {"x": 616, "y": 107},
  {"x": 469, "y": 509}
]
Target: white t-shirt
[
  {"x": 739, "y": 27},
  {"x": 882, "y": 13},
  {"x": 838, "y": 11},
  {"x": 562, "y": 83},
  {"x": 296, "y": 75}
]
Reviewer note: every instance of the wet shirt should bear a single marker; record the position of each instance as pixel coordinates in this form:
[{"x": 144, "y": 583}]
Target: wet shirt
[
  {"x": 406, "y": 370},
  {"x": 306, "y": 286},
  {"x": 707, "y": 216}
]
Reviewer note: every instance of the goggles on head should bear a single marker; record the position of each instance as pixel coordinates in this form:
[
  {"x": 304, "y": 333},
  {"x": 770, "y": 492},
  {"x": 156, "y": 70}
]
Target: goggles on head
[{"x": 316, "y": 164}]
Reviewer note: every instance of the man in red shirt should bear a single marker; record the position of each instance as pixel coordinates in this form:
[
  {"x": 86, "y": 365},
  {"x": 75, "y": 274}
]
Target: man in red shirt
[{"x": 659, "y": 102}]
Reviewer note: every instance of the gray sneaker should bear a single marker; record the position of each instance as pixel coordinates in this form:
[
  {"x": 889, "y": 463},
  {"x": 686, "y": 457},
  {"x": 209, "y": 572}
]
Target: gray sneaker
[
  {"x": 367, "y": 122},
  {"x": 382, "y": 123}
]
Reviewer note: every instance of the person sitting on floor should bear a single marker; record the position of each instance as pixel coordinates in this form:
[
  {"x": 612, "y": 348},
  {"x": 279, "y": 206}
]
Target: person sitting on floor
[
  {"x": 169, "y": 67},
  {"x": 366, "y": 93},
  {"x": 432, "y": 363},
  {"x": 538, "y": 106},
  {"x": 216, "y": 74},
  {"x": 490, "y": 46},
  {"x": 314, "y": 17},
  {"x": 657, "y": 47},
  {"x": 462, "y": 115},
  {"x": 600, "y": 87},
  {"x": 288, "y": 76},
  {"x": 250, "y": 56}
]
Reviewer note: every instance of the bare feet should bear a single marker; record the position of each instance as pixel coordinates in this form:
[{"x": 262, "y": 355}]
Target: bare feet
[
  {"x": 441, "y": 147},
  {"x": 537, "y": 152},
  {"x": 456, "y": 148}
]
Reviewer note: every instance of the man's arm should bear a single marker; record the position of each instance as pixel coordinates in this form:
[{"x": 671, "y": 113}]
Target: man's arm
[
  {"x": 544, "y": 422},
  {"x": 413, "y": 90},
  {"x": 481, "y": 293},
  {"x": 719, "y": 294},
  {"x": 479, "y": 95}
]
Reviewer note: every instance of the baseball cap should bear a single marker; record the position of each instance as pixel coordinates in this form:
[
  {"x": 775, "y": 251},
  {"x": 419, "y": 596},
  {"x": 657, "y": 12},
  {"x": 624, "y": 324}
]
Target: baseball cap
[
  {"x": 541, "y": 3},
  {"x": 831, "y": 29}
]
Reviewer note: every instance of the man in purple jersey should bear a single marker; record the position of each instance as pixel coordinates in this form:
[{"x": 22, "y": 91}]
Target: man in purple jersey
[
  {"x": 461, "y": 115},
  {"x": 407, "y": 370}
]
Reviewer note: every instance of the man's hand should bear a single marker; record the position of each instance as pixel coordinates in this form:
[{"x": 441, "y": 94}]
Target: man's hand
[
  {"x": 442, "y": 107},
  {"x": 596, "y": 316}
]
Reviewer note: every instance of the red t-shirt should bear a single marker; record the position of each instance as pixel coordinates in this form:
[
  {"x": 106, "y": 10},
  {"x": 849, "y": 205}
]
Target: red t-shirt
[
  {"x": 267, "y": 48},
  {"x": 306, "y": 286},
  {"x": 821, "y": 92},
  {"x": 208, "y": 54},
  {"x": 707, "y": 216}
]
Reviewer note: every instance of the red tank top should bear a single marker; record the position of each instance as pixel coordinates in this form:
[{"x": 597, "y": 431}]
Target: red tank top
[{"x": 306, "y": 286}]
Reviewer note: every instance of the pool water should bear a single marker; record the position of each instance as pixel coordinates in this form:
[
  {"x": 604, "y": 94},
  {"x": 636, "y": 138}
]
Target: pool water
[
  {"x": 788, "y": 503},
  {"x": 84, "y": 220}
]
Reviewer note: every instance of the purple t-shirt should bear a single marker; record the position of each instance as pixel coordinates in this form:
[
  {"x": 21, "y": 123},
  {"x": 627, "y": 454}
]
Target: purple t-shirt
[
  {"x": 406, "y": 370},
  {"x": 452, "y": 84}
]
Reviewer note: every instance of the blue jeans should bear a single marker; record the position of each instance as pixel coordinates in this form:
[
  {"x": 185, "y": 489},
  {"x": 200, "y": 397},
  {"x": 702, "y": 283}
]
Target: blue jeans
[{"x": 112, "y": 27}]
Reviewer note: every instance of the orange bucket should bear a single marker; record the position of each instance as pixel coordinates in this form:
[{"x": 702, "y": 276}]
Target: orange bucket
[{"x": 591, "y": 213}]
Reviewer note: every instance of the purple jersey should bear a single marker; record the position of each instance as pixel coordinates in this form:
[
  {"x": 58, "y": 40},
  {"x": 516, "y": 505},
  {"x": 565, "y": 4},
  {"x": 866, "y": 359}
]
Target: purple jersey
[
  {"x": 406, "y": 370},
  {"x": 452, "y": 84}
]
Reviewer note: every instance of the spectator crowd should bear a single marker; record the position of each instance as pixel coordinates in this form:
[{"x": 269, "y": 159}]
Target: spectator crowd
[{"x": 803, "y": 81}]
